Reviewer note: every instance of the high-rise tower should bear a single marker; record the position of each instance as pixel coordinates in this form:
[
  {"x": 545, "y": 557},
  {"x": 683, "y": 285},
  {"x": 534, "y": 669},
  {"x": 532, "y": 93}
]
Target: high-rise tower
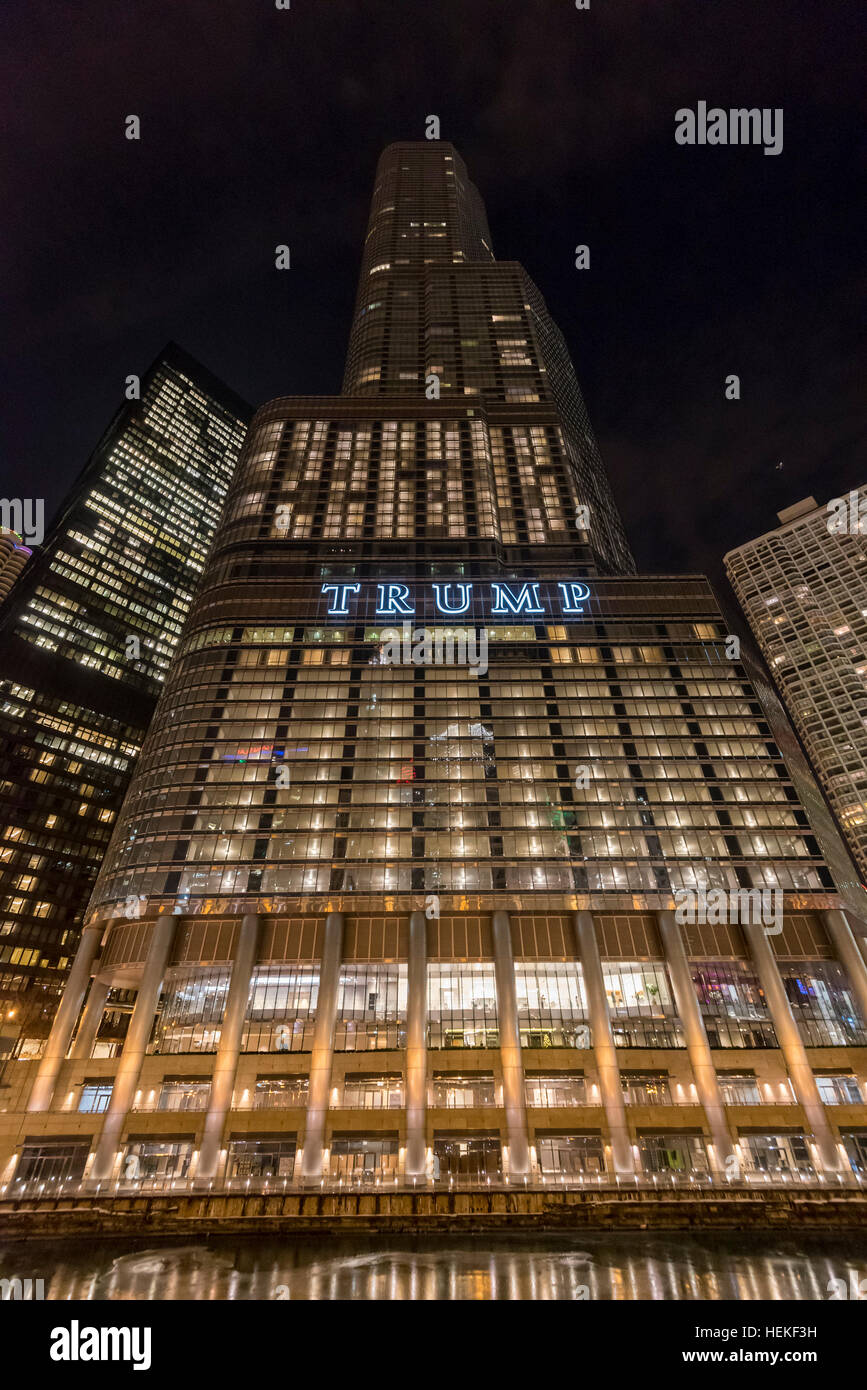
[
  {"x": 86, "y": 636},
  {"x": 431, "y": 776},
  {"x": 803, "y": 588}
]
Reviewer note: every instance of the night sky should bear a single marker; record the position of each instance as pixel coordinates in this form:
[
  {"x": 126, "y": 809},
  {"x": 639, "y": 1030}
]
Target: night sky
[{"x": 262, "y": 126}]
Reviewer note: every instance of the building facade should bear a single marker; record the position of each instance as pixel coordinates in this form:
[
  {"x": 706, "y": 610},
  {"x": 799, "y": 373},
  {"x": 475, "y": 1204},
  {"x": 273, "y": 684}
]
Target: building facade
[
  {"x": 456, "y": 852},
  {"x": 86, "y": 636},
  {"x": 803, "y": 589}
]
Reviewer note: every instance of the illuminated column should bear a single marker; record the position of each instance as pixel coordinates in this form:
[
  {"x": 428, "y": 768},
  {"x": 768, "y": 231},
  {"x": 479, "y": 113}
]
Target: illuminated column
[
  {"x": 510, "y": 1049},
  {"x": 416, "y": 1046},
  {"x": 603, "y": 1044},
  {"x": 229, "y": 1050},
  {"x": 323, "y": 1046},
  {"x": 858, "y": 928},
  {"x": 137, "y": 1038},
  {"x": 90, "y": 1021},
  {"x": 792, "y": 1047},
  {"x": 849, "y": 954},
  {"x": 697, "y": 1045},
  {"x": 64, "y": 1020}
]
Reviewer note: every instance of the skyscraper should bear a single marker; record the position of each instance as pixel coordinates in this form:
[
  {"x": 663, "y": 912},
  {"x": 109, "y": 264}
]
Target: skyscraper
[
  {"x": 86, "y": 636},
  {"x": 458, "y": 851},
  {"x": 803, "y": 588},
  {"x": 14, "y": 555}
]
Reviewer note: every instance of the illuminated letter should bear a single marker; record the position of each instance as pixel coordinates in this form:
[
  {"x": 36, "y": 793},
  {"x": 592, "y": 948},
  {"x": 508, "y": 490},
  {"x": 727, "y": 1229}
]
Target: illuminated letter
[
  {"x": 574, "y": 594},
  {"x": 442, "y": 600},
  {"x": 393, "y": 599},
  {"x": 527, "y": 600},
  {"x": 338, "y": 608}
]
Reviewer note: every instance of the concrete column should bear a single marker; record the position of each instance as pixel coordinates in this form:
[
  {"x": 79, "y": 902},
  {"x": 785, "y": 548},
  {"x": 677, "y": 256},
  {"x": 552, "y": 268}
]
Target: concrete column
[
  {"x": 137, "y": 1038},
  {"x": 90, "y": 1021},
  {"x": 323, "y": 1046},
  {"x": 514, "y": 1099},
  {"x": 845, "y": 943},
  {"x": 858, "y": 927},
  {"x": 792, "y": 1047},
  {"x": 229, "y": 1049},
  {"x": 64, "y": 1020},
  {"x": 697, "y": 1045},
  {"x": 603, "y": 1045},
  {"x": 416, "y": 1047}
]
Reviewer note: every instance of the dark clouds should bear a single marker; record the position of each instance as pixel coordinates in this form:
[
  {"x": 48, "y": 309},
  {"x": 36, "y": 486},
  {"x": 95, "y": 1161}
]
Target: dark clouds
[{"x": 261, "y": 126}]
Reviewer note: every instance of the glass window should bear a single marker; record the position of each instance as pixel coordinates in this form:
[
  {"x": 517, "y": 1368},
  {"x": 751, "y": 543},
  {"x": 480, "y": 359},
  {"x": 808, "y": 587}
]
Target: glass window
[
  {"x": 822, "y": 1001},
  {"x": 152, "y": 1160},
  {"x": 191, "y": 1013},
  {"x": 646, "y": 1088},
  {"x": 739, "y": 1089},
  {"x": 52, "y": 1161},
  {"x": 454, "y": 1091},
  {"x": 282, "y": 1009},
  {"x": 856, "y": 1148},
  {"x": 672, "y": 1153},
  {"x": 184, "y": 1093},
  {"x": 775, "y": 1153},
  {"x": 552, "y": 1007},
  {"x": 554, "y": 1088},
  {"x": 641, "y": 1005},
  {"x": 261, "y": 1156},
  {"x": 466, "y": 1156},
  {"x": 462, "y": 1005},
  {"x": 371, "y": 1008},
  {"x": 95, "y": 1096},
  {"x": 280, "y": 1092},
  {"x": 570, "y": 1153},
  {"x": 363, "y": 1156},
  {"x": 733, "y": 1006},
  {"x": 363, "y": 1092},
  {"x": 838, "y": 1089}
]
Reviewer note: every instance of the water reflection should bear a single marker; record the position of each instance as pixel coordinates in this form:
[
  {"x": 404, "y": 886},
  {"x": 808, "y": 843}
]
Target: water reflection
[{"x": 587, "y": 1266}]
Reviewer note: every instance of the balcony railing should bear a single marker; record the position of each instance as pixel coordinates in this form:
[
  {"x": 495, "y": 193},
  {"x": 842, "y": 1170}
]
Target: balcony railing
[{"x": 696, "y": 1181}]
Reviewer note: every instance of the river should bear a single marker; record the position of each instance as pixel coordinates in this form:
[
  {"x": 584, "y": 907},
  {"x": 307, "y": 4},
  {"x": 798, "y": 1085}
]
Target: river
[{"x": 620, "y": 1266}]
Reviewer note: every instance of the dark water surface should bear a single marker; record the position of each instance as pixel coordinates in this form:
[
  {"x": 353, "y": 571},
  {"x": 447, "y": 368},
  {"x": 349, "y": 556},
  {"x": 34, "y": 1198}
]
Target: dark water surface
[{"x": 625, "y": 1265}]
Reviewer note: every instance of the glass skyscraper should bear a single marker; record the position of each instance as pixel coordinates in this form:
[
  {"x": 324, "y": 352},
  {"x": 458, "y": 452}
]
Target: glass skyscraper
[
  {"x": 457, "y": 852},
  {"x": 803, "y": 588},
  {"x": 86, "y": 636}
]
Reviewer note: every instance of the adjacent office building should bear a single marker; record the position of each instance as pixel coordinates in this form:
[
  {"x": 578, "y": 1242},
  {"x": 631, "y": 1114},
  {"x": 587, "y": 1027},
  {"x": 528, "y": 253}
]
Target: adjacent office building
[
  {"x": 460, "y": 851},
  {"x": 86, "y": 636},
  {"x": 803, "y": 588}
]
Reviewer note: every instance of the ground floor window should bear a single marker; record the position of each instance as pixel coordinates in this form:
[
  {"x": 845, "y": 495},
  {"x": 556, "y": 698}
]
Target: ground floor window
[
  {"x": 467, "y": 1156},
  {"x": 149, "y": 1160},
  {"x": 856, "y": 1148},
  {"x": 52, "y": 1161},
  {"x": 363, "y": 1155},
  {"x": 672, "y": 1153},
  {"x": 262, "y": 1156},
  {"x": 775, "y": 1153},
  {"x": 570, "y": 1153}
]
